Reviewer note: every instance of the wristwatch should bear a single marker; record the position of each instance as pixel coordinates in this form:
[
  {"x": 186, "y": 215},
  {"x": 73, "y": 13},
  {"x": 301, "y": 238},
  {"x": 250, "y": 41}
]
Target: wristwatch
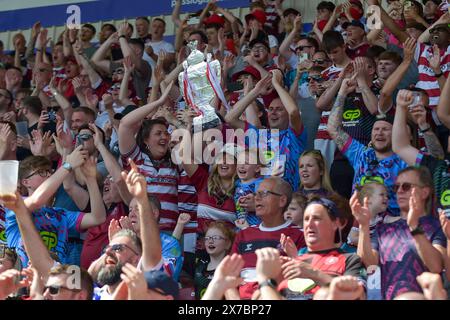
[
  {"x": 67, "y": 166},
  {"x": 416, "y": 231},
  {"x": 269, "y": 282},
  {"x": 425, "y": 130},
  {"x": 438, "y": 75}
]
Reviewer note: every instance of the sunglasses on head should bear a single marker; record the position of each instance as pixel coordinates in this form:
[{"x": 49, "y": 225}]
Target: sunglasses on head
[{"x": 406, "y": 186}]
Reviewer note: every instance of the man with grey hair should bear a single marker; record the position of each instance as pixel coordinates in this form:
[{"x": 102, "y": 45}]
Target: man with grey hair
[
  {"x": 271, "y": 200},
  {"x": 124, "y": 247}
]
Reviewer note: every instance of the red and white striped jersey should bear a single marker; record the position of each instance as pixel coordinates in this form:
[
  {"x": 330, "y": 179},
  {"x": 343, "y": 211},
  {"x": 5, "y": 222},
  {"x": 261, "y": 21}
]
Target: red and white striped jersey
[
  {"x": 427, "y": 80},
  {"x": 187, "y": 201},
  {"x": 162, "y": 182}
]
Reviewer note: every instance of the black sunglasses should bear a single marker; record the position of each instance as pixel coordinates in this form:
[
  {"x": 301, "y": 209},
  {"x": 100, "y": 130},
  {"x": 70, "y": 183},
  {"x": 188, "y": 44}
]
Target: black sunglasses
[
  {"x": 54, "y": 290},
  {"x": 319, "y": 61},
  {"x": 85, "y": 136},
  {"x": 301, "y": 48},
  {"x": 315, "y": 78}
]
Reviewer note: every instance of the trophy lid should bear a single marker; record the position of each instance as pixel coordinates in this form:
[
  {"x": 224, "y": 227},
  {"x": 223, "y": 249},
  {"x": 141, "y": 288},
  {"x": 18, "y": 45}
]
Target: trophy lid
[{"x": 196, "y": 56}]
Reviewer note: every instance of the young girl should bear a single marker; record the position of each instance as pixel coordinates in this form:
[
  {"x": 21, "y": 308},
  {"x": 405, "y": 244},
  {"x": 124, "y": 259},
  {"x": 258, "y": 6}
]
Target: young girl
[
  {"x": 378, "y": 201},
  {"x": 295, "y": 209},
  {"x": 218, "y": 241},
  {"x": 248, "y": 171}
]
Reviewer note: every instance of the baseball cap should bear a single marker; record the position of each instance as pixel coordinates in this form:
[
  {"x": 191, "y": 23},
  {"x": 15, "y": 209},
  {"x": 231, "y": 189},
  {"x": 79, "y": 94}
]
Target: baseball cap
[
  {"x": 214, "y": 19},
  {"x": 354, "y": 23},
  {"x": 258, "y": 15},
  {"x": 160, "y": 280},
  {"x": 125, "y": 111},
  {"x": 385, "y": 117},
  {"x": 247, "y": 70}
]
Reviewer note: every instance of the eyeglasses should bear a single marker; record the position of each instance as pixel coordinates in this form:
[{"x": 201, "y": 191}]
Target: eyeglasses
[
  {"x": 214, "y": 238},
  {"x": 259, "y": 48},
  {"x": 406, "y": 186},
  {"x": 42, "y": 172},
  {"x": 265, "y": 193},
  {"x": 54, "y": 289},
  {"x": 118, "y": 248}
]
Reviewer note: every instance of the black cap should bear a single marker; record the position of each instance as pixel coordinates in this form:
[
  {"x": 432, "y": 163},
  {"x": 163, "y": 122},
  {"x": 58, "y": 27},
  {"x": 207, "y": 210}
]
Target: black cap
[
  {"x": 160, "y": 280},
  {"x": 125, "y": 111},
  {"x": 385, "y": 117},
  {"x": 354, "y": 23}
]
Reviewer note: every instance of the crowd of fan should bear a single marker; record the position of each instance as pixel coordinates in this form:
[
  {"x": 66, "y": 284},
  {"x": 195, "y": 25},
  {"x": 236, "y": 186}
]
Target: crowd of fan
[{"x": 349, "y": 200}]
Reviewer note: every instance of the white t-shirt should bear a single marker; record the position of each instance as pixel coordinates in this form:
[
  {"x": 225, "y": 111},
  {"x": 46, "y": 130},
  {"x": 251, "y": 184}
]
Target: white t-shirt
[{"x": 157, "y": 47}]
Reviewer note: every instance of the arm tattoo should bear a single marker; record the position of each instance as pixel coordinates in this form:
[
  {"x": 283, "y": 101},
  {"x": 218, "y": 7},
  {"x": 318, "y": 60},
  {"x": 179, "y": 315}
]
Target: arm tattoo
[
  {"x": 433, "y": 145},
  {"x": 335, "y": 128}
]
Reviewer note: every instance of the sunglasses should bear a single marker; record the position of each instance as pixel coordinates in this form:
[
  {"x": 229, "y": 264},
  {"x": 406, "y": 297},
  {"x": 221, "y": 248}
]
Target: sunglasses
[
  {"x": 406, "y": 186},
  {"x": 54, "y": 289},
  {"x": 84, "y": 136},
  {"x": 315, "y": 78},
  {"x": 42, "y": 172},
  {"x": 259, "y": 48},
  {"x": 318, "y": 61},
  {"x": 118, "y": 248}
]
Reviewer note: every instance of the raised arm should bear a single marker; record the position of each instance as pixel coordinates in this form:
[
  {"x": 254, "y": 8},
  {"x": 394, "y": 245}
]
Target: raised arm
[
  {"x": 295, "y": 119},
  {"x": 369, "y": 98},
  {"x": 151, "y": 241},
  {"x": 285, "y": 47},
  {"x": 62, "y": 101},
  {"x": 400, "y": 139},
  {"x": 35, "y": 248},
  {"x": 33, "y": 38},
  {"x": 396, "y": 77},
  {"x": 126, "y": 49},
  {"x": 400, "y": 34},
  {"x": 129, "y": 68},
  {"x": 326, "y": 99},
  {"x": 130, "y": 124},
  {"x": 232, "y": 117},
  {"x": 335, "y": 128},
  {"x": 368, "y": 255},
  {"x": 176, "y": 13},
  {"x": 425, "y": 36},
  {"x": 98, "y": 213},
  {"x": 443, "y": 108},
  {"x": 111, "y": 164},
  {"x": 430, "y": 254},
  {"x": 46, "y": 190},
  {"x": 81, "y": 57},
  {"x": 99, "y": 57}
]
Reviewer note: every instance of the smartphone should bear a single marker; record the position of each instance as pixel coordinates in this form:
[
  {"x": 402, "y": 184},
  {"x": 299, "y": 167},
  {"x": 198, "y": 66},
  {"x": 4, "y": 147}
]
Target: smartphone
[
  {"x": 80, "y": 142},
  {"x": 22, "y": 128},
  {"x": 415, "y": 102},
  {"x": 51, "y": 115},
  {"x": 181, "y": 106}
]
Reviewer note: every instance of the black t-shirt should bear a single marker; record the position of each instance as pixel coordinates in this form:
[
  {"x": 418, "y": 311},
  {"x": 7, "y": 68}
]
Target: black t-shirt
[{"x": 202, "y": 277}]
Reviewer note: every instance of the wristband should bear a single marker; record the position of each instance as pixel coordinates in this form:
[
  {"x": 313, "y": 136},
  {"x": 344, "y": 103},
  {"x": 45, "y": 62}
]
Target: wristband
[
  {"x": 416, "y": 231},
  {"x": 438, "y": 75},
  {"x": 122, "y": 36},
  {"x": 72, "y": 42}
]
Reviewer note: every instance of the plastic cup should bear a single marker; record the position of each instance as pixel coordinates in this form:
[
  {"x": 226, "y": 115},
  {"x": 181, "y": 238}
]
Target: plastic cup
[{"x": 9, "y": 172}]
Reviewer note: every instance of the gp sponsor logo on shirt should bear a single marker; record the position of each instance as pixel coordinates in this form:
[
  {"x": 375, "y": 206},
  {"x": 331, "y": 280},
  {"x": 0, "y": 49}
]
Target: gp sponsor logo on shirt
[
  {"x": 367, "y": 179},
  {"x": 50, "y": 239},
  {"x": 445, "y": 198},
  {"x": 351, "y": 117},
  {"x": 3, "y": 236}
]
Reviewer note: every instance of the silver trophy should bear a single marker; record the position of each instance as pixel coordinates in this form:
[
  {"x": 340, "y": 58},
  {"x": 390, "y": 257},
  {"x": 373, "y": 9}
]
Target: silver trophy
[{"x": 200, "y": 82}]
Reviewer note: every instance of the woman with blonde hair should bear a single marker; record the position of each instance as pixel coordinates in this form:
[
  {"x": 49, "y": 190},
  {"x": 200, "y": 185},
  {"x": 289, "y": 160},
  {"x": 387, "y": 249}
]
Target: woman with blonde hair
[{"x": 314, "y": 175}]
